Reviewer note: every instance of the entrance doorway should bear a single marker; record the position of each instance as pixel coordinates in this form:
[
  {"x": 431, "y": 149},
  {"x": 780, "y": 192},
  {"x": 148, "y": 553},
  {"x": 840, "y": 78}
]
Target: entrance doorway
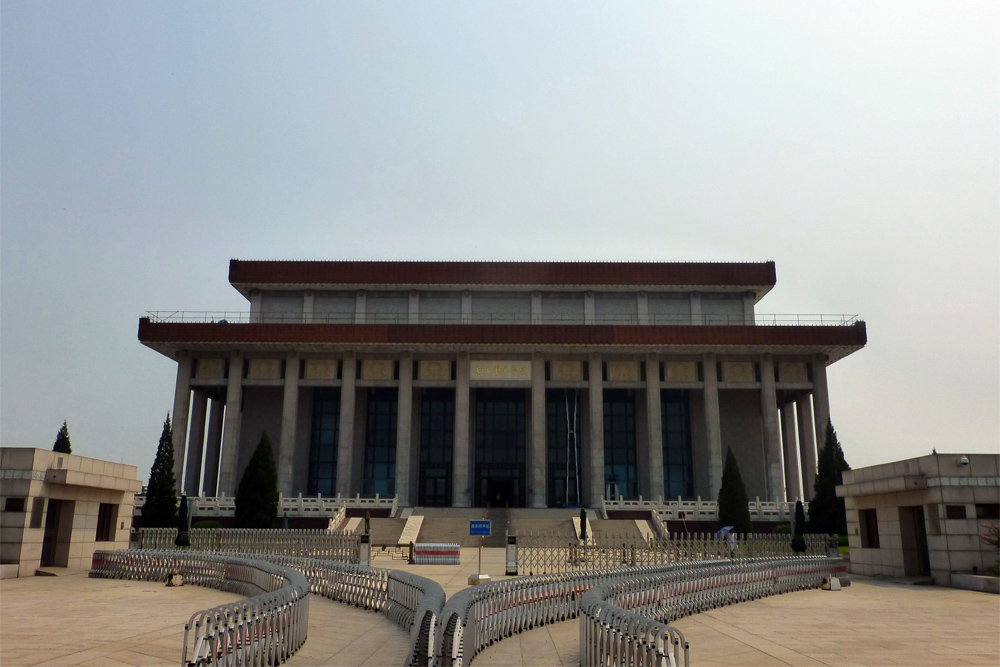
[
  {"x": 913, "y": 536},
  {"x": 501, "y": 447},
  {"x": 58, "y": 533}
]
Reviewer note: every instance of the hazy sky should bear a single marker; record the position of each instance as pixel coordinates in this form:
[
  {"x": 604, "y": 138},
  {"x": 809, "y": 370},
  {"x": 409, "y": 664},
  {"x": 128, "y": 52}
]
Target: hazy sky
[{"x": 855, "y": 144}]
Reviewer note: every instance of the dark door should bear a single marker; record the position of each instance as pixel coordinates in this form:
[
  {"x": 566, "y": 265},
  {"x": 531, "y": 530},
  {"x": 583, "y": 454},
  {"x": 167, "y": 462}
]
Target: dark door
[
  {"x": 501, "y": 447},
  {"x": 50, "y": 538},
  {"x": 913, "y": 536}
]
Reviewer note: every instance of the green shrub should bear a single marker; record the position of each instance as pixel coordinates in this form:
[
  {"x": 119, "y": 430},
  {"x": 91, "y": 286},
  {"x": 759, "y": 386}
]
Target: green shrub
[
  {"x": 782, "y": 529},
  {"x": 206, "y": 523}
]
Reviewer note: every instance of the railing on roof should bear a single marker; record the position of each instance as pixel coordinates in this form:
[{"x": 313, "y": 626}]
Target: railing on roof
[{"x": 246, "y": 317}]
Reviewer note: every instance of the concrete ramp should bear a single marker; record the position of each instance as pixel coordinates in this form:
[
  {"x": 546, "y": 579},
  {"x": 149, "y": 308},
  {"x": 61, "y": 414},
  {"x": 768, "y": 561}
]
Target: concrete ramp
[
  {"x": 353, "y": 525},
  {"x": 645, "y": 529},
  {"x": 411, "y": 529}
]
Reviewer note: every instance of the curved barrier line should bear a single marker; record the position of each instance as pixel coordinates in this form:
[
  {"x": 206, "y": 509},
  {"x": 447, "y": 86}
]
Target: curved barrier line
[{"x": 622, "y": 610}]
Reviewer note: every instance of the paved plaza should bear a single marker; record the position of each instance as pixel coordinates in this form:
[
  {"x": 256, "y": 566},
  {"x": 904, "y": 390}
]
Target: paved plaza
[{"x": 74, "y": 620}]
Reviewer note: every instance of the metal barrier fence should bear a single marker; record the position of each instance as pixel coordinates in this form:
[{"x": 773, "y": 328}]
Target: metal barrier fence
[
  {"x": 325, "y": 544},
  {"x": 267, "y": 628},
  {"x": 624, "y": 618},
  {"x": 623, "y": 622},
  {"x": 546, "y": 554},
  {"x": 226, "y": 635}
]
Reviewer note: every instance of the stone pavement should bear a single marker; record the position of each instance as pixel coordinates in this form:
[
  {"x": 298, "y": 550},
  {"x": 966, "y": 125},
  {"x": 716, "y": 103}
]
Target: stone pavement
[{"x": 73, "y": 620}]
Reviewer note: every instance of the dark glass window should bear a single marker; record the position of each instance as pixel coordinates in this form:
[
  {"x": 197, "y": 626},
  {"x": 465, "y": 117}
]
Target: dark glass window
[
  {"x": 675, "y": 414},
  {"x": 500, "y": 447},
  {"x": 987, "y": 511},
  {"x": 107, "y": 517},
  {"x": 954, "y": 511},
  {"x": 437, "y": 436},
  {"x": 619, "y": 441},
  {"x": 563, "y": 424},
  {"x": 380, "y": 443},
  {"x": 324, "y": 441}
]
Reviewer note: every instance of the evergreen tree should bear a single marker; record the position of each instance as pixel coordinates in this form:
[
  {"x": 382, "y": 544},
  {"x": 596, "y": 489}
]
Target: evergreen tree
[
  {"x": 257, "y": 495},
  {"x": 799, "y": 529},
  {"x": 62, "y": 444},
  {"x": 734, "y": 508},
  {"x": 827, "y": 513},
  {"x": 160, "y": 508}
]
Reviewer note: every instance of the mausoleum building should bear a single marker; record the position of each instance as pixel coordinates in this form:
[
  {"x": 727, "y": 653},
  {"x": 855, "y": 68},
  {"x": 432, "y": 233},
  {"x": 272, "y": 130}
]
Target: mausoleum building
[{"x": 533, "y": 384}]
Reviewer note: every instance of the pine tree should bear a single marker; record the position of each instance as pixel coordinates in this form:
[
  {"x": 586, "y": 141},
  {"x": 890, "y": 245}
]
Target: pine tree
[
  {"x": 257, "y": 494},
  {"x": 798, "y": 531},
  {"x": 734, "y": 508},
  {"x": 827, "y": 514},
  {"x": 160, "y": 508},
  {"x": 62, "y": 444}
]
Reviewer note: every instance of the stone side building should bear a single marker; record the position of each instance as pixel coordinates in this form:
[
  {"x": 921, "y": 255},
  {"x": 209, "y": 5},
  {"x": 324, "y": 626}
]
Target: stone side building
[
  {"x": 530, "y": 383},
  {"x": 57, "y": 509},
  {"x": 922, "y": 516}
]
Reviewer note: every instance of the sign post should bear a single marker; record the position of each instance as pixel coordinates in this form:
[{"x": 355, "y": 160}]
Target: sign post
[{"x": 482, "y": 529}]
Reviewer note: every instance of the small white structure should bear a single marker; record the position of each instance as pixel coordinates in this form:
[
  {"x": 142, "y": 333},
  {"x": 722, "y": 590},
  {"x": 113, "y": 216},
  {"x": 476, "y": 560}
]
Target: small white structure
[
  {"x": 922, "y": 516},
  {"x": 57, "y": 509}
]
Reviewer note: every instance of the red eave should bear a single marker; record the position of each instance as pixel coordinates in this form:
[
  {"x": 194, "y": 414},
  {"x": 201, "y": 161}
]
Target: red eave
[
  {"x": 254, "y": 272},
  {"x": 165, "y": 336}
]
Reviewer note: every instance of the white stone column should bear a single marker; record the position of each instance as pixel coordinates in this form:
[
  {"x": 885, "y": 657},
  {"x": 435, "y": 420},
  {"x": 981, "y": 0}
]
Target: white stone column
[
  {"x": 192, "y": 474},
  {"x": 210, "y": 483},
  {"x": 539, "y": 465},
  {"x": 696, "y": 316},
  {"x": 289, "y": 417},
  {"x": 807, "y": 446},
  {"x": 792, "y": 481},
  {"x": 256, "y": 306},
  {"x": 404, "y": 422},
  {"x": 231, "y": 426},
  {"x": 642, "y": 308},
  {"x": 536, "y": 307},
  {"x": 596, "y": 403},
  {"x": 748, "y": 301},
  {"x": 466, "y": 310},
  {"x": 307, "y": 307},
  {"x": 821, "y": 399},
  {"x": 414, "y": 308},
  {"x": 654, "y": 426},
  {"x": 360, "y": 307},
  {"x": 179, "y": 420},
  {"x": 460, "y": 453},
  {"x": 713, "y": 428},
  {"x": 772, "y": 436},
  {"x": 345, "y": 443}
]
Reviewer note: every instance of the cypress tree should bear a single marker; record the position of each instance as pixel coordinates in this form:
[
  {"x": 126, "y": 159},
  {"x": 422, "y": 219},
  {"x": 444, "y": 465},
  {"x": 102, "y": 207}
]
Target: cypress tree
[
  {"x": 257, "y": 495},
  {"x": 827, "y": 513},
  {"x": 734, "y": 508},
  {"x": 62, "y": 444},
  {"x": 160, "y": 508},
  {"x": 799, "y": 529}
]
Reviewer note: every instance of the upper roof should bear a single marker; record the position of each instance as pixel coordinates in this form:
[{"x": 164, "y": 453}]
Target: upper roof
[{"x": 248, "y": 275}]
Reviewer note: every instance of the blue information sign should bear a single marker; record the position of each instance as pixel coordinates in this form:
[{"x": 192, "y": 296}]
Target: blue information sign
[{"x": 479, "y": 528}]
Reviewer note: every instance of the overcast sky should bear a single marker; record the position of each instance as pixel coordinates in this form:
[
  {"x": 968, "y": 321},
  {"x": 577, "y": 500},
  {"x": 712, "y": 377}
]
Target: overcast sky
[{"x": 855, "y": 144}]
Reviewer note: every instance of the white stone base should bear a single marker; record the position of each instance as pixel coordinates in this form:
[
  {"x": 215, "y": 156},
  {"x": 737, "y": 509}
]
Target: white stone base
[{"x": 476, "y": 579}]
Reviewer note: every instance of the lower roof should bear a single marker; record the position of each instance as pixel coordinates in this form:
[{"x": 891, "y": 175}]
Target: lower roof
[{"x": 170, "y": 337}]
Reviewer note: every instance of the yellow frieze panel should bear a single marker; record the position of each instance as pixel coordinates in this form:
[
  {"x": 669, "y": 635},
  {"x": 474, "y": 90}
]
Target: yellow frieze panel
[
  {"x": 793, "y": 371},
  {"x": 210, "y": 369},
  {"x": 434, "y": 370},
  {"x": 264, "y": 369},
  {"x": 320, "y": 369},
  {"x": 376, "y": 369},
  {"x": 565, "y": 371},
  {"x": 738, "y": 371},
  {"x": 681, "y": 371},
  {"x": 623, "y": 371}
]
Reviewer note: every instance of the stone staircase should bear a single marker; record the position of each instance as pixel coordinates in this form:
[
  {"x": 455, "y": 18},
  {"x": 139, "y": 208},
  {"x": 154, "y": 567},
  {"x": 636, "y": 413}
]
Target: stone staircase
[
  {"x": 386, "y": 531},
  {"x": 451, "y": 525}
]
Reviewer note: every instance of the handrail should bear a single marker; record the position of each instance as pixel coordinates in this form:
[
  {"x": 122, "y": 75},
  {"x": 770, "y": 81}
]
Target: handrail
[
  {"x": 327, "y": 544},
  {"x": 266, "y": 628},
  {"x": 712, "y": 319},
  {"x": 698, "y": 509}
]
